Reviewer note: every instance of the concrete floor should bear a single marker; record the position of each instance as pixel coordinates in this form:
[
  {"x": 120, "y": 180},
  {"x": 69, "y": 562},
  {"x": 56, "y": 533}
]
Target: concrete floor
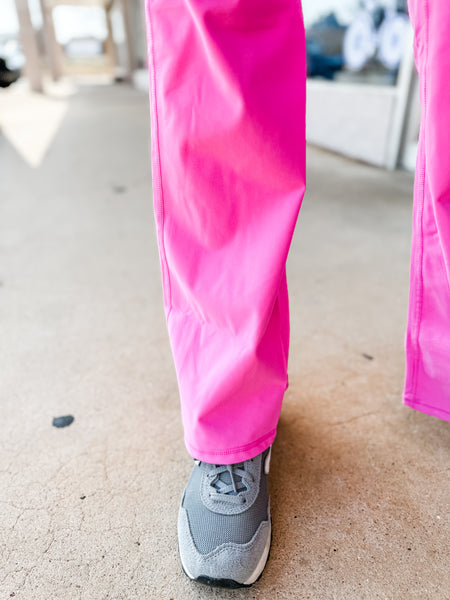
[{"x": 360, "y": 489}]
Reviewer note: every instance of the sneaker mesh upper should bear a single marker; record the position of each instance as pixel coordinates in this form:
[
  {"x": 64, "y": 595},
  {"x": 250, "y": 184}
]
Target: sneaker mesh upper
[{"x": 210, "y": 529}]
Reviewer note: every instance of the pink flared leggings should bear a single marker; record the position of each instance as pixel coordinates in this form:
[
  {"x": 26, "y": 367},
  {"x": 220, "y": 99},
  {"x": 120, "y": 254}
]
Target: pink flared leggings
[{"x": 228, "y": 165}]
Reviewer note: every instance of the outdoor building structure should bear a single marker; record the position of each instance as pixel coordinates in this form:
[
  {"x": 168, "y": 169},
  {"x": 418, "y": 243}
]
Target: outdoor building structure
[
  {"x": 128, "y": 57},
  {"x": 360, "y": 112}
]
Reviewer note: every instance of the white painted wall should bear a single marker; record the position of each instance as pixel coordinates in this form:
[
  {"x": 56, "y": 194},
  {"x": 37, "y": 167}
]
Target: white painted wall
[{"x": 355, "y": 120}]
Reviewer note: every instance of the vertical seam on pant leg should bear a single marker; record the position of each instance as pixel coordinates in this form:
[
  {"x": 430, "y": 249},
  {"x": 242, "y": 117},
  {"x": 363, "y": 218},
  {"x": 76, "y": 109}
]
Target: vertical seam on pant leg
[
  {"x": 285, "y": 352},
  {"x": 165, "y": 267},
  {"x": 421, "y": 242}
]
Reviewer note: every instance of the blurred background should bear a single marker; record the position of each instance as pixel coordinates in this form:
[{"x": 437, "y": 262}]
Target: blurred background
[{"x": 362, "y": 86}]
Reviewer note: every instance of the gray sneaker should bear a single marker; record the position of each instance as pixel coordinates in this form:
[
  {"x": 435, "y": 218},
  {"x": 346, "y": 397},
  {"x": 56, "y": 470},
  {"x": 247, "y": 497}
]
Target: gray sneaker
[{"x": 224, "y": 526}]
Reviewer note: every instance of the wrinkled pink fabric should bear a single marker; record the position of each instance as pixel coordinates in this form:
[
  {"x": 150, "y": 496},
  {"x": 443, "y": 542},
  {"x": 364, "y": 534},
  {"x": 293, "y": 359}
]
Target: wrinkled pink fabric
[
  {"x": 228, "y": 157},
  {"x": 427, "y": 384}
]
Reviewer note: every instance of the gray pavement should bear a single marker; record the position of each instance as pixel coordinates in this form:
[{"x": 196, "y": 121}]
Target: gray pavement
[{"x": 360, "y": 489}]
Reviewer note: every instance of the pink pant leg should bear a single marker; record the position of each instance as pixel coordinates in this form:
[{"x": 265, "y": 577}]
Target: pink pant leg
[
  {"x": 228, "y": 156},
  {"x": 427, "y": 386}
]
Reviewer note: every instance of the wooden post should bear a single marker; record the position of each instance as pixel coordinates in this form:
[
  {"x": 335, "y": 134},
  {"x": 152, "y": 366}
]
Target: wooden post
[
  {"x": 109, "y": 42},
  {"x": 131, "y": 59},
  {"x": 51, "y": 45},
  {"x": 29, "y": 46},
  {"x": 143, "y": 17}
]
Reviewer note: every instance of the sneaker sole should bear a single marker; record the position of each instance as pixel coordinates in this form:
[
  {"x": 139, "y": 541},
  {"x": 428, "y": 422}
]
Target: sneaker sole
[{"x": 230, "y": 583}]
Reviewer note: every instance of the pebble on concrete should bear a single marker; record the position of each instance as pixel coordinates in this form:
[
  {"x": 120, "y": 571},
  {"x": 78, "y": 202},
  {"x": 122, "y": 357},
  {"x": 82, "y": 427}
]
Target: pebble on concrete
[{"x": 64, "y": 421}]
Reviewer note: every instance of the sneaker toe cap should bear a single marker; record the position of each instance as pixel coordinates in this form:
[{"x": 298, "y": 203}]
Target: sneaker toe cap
[{"x": 242, "y": 563}]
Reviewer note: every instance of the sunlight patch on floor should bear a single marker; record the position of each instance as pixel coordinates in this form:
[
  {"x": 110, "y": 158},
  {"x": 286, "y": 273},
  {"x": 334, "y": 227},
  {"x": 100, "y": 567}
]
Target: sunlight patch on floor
[{"x": 30, "y": 121}]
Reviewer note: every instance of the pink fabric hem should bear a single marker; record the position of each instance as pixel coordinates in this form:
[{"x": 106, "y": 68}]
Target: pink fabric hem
[
  {"x": 234, "y": 455},
  {"x": 427, "y": 409}
]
